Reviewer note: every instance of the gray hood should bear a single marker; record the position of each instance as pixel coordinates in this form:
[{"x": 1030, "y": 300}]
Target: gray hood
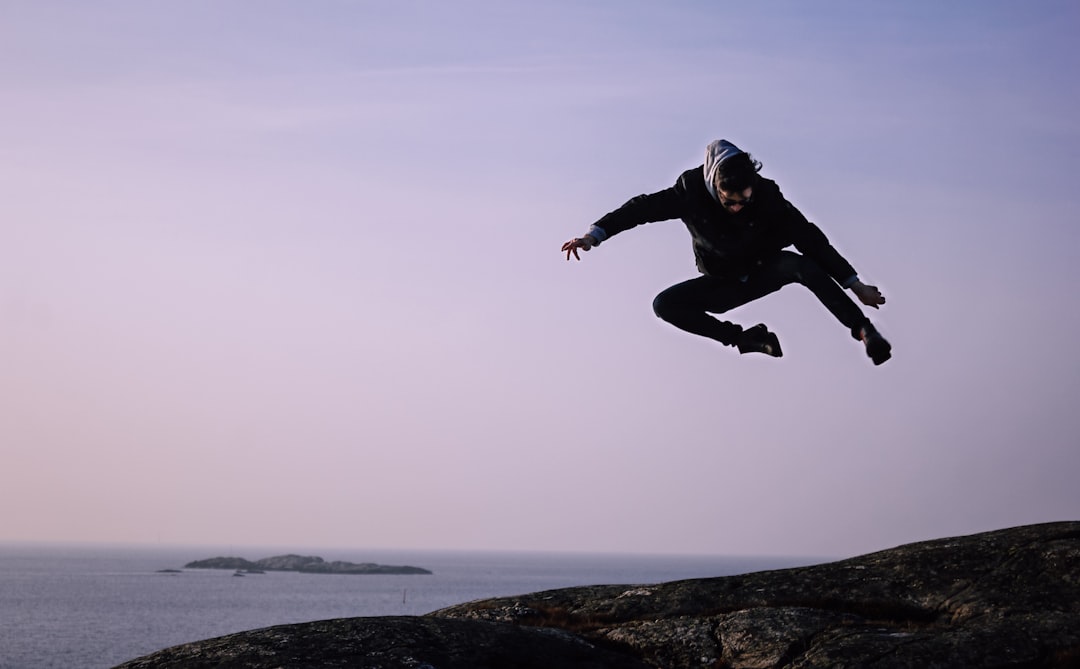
[{"x": 715, "y": 154}]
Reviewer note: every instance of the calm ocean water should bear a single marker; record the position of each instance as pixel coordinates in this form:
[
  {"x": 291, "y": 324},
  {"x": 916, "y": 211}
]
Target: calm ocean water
[{"x": 94, "y": 607}]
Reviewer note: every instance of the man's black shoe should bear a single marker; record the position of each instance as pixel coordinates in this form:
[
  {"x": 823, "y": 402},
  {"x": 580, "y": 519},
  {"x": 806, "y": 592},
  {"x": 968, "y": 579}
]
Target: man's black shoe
[
  {"x": 758, "y": 339},
  {"x": 877, "y": 348}
]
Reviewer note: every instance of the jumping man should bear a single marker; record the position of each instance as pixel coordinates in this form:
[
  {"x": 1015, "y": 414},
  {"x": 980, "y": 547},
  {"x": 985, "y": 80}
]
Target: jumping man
[{"x": 740, "y": 224}]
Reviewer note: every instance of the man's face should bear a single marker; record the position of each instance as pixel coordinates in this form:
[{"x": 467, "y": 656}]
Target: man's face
[{"x": 734, "y": 201}]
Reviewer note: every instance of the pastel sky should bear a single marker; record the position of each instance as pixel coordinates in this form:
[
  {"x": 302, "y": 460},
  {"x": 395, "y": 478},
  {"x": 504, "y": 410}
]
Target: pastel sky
[{"x": 288, "y": 273}]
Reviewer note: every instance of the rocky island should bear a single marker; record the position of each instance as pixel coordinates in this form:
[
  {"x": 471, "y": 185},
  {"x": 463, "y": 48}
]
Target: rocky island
[
  {"x": 307, "y": 564},
  {"x": 1003, "y": 599}
]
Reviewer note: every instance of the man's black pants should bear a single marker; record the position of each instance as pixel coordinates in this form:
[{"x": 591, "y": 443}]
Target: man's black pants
[{"x": 687, "y": 305}]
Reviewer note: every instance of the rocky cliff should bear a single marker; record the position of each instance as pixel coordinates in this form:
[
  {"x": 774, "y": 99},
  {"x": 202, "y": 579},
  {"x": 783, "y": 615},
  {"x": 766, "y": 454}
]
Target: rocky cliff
[{"x": 1009, "y": 598}]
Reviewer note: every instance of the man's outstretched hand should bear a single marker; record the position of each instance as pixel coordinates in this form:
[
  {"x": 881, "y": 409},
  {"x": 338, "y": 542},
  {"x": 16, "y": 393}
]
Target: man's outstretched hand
[
  {"x": 584, "y": 243},
  {"x": 868, "y": 295}
]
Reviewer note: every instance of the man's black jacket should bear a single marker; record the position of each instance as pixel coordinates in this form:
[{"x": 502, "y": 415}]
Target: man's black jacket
[{"x": 728, "y": 245}]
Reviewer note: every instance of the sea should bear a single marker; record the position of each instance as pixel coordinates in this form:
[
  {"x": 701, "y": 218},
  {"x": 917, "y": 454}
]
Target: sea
[{"x": 96, "y": 606}]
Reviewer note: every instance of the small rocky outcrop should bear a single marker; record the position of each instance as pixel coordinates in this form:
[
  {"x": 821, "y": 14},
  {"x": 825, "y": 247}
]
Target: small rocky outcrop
[
  {"x": 1001, "y": 599},
  {"x": 308, "y": 564},
  {"x": 221, "y": 563}
]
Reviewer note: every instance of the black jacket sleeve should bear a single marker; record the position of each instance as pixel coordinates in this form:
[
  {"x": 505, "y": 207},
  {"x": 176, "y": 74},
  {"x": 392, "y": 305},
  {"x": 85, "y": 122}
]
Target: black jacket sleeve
[
  {"x": 660, "y": 206},
  {"x": 812, "y": 243},
  {"x": 807, "y": 237}
]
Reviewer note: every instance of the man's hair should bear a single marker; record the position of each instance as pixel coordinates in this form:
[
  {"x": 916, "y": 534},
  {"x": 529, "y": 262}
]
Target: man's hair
[{"x": 737, "y": 172}]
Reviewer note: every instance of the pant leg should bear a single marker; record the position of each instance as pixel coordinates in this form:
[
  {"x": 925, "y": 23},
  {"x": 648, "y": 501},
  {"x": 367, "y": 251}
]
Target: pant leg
[
  {"x": 788, "y": 267},
  {"x": 687, "y": 305}
]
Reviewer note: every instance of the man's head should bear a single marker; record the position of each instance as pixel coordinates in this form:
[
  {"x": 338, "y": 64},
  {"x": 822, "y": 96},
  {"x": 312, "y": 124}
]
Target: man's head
[{"x": 730, "y": 174}]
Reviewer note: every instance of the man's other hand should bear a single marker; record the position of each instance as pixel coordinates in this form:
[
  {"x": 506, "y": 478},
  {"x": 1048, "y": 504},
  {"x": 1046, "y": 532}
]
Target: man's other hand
[{"x": 868, "y": 295}]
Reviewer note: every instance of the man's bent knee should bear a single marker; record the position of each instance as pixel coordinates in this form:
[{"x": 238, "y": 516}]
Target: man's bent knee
[{"x": 664, "y": 306}]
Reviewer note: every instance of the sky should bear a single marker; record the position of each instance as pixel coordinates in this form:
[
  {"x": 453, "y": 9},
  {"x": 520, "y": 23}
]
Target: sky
[{"x": 288, "y": 273}]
